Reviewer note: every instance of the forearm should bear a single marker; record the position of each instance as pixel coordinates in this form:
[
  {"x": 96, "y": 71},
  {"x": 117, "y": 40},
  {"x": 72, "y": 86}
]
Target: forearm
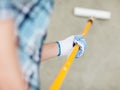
[
  {"x": 11, "y": 77},
  {"x": 49, "y": 51}
]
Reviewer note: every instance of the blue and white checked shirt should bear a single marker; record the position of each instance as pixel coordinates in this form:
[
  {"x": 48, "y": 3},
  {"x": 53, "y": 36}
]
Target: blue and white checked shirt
[{"x": 32, "y": 18}]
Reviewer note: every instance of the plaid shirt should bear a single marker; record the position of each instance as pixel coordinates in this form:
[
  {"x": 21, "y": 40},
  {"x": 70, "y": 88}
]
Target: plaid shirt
[{"x": 32, "y": 18}]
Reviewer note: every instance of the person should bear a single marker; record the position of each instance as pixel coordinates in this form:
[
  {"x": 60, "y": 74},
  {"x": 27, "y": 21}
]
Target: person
[{"x": 23, "y": 29}]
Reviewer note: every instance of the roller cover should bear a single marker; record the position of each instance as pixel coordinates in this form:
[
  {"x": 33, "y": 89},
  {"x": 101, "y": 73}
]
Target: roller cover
[{"x": 84, "y": 12}]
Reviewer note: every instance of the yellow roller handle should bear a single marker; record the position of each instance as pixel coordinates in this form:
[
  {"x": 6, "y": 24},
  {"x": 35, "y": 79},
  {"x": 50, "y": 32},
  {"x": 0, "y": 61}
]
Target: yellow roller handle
[{"x": 61, "y": 75}]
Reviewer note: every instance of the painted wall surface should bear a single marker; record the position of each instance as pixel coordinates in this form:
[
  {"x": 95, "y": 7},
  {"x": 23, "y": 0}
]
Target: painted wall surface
[{"x": 99, "y": 67}]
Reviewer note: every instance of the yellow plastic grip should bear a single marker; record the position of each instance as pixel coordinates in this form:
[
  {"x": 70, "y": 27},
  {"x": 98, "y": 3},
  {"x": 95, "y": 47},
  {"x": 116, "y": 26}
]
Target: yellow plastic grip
[{"x": 61, "y": 75}]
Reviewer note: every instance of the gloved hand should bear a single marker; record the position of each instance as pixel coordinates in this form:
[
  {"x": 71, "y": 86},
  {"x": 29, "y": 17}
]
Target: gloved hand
[{"x": 65, "y": 46}]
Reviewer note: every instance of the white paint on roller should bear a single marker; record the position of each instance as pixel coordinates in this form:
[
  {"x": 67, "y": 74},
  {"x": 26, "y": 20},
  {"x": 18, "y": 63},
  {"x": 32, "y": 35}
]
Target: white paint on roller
[{"x": 84, "y": 12}]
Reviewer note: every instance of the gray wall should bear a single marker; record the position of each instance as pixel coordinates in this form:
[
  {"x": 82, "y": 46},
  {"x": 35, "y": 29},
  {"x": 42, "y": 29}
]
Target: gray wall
[{"x": 99, "y": 67}]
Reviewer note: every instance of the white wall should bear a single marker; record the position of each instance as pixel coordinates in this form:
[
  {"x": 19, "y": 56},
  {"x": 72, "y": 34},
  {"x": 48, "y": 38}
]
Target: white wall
[{"x": 99, "y": 67}]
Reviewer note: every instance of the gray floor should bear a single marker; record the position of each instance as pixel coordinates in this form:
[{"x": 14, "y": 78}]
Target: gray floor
[{"x": 99, "y": 67}]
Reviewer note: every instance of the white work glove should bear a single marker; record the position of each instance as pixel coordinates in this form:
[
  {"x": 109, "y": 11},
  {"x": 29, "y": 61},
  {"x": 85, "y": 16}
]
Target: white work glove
[{"x": 65, "y": 46}]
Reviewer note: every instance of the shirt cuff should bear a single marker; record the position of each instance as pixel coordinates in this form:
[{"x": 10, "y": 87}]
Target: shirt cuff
[{"x": 6, "y": 11}]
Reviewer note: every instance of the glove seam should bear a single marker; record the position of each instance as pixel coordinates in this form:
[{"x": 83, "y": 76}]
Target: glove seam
[{"x": 59, "y": 53}]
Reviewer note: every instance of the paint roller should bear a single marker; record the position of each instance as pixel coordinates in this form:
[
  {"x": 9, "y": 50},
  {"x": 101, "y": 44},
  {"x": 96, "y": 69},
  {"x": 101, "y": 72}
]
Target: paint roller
[
  {"x": 98, "y": 14},
  {"x": 84, "y": 12}
]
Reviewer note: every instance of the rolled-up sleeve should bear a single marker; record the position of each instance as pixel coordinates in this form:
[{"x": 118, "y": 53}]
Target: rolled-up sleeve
[{"x": 6, "y": 11}]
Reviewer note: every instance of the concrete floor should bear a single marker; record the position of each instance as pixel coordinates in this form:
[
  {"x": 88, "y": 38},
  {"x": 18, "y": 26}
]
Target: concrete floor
[{"x": 99, "y": 67}]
